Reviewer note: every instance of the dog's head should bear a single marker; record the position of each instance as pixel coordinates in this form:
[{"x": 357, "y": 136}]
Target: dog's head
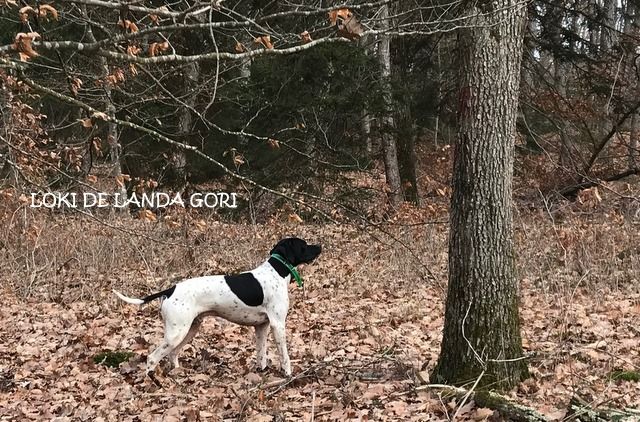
[{"x": 296, "y": 251}]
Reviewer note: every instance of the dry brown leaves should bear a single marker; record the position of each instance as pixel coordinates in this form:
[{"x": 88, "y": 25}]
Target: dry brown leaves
[
  {"x": 22, "y": 44},
  {"x": 264, "y": 40},
  {"x": 157, "y": 48},
  {"x": 364, "y": 333}
]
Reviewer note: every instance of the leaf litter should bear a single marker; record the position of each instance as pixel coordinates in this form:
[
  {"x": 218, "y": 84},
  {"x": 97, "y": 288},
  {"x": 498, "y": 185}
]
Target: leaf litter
[{"x": 362, "y": 337}]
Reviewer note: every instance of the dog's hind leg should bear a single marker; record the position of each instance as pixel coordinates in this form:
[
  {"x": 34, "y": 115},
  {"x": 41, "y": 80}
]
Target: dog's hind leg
[
  {"x": 262, "y": 332},
  {"x": 176, "y": 329},
  {"x": 195, "y": 325}
]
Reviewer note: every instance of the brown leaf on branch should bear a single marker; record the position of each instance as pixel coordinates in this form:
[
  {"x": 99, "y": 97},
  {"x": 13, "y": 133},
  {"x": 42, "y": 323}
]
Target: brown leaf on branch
[
  {"x": 46, "y": 10},
  {"x": 133, "y": 50},
  {"x": 22, "y": 44},
  {"x": 348, "y": 25},
  {"x": 128, "y": 25},
  {"x": 75, "y": 85},
  {"x": 350, "y": 28},
  {"x": 158, "y": 47},
  {"x": 239, "y": 47},
  {"x": 342, "y": 14},
  {"x": 116, "y": 77},
  {"x": 238, "y": 160},
  {"x": 265, "y": 40},
  {"x": 273, "y": 143},
  {"x": 87, "y": 123},
  {"x": 155, "y": 19},
  {"x": 25, "y": 12},
  {"x": 305, "y": 37},
  {"x": 100, "y": 115}
]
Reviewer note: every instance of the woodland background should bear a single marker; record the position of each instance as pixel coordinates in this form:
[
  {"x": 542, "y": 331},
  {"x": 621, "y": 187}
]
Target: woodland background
[{"x": 334, "y": 123}]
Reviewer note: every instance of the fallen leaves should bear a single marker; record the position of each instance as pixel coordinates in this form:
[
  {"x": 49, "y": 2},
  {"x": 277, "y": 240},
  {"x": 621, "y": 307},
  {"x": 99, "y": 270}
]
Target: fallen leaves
[{"x": 360, "y": 340}]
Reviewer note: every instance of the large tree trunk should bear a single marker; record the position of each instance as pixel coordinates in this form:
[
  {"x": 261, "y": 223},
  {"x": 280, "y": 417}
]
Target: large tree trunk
[
  {"x": 389, "y": 147},
  {"x": 482, "y": 328}
]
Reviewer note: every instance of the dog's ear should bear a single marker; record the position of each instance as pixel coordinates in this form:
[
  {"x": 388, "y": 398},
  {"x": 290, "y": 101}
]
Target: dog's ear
[
  {"x": 285, "y": 250},
  {"x": 292, "y": 249}
]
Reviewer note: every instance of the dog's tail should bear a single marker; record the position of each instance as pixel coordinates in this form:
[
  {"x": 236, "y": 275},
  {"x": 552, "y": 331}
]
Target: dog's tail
[{"x": 165, "y": 293}]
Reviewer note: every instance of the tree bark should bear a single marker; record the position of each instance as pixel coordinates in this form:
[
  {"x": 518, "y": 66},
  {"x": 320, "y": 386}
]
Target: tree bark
[
  {"x": 6, "y": 169},
  {"x": 114, "y": 148},
  {"x": 389, "y": 147},
  {"x": 630, "y": 28},
  {"x": 407, "y": 157},
  {"x": 608, "y": 34},
  {"x": 482, "y": 328},
  {"x": 178, "y": 155}
]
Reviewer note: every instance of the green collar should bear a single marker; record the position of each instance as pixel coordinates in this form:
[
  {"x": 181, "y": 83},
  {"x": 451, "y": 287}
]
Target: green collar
[{"x": 290, "y": 267}]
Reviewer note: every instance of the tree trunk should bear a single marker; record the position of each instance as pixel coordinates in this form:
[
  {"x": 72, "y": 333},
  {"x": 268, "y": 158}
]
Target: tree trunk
[
  {"x": 6, "y": 169},
  {"x": 630, "y": 28},
  {"x": 407, "y": 158},
  {"x": 389, "y": 147},
  {"x": 482, "y": 327},
  {"x": 608, "y": 34},
  {"x": 406, "y": 129},
  {"x": 114, "y": 148},
  {"x": 179, "y": 156}
]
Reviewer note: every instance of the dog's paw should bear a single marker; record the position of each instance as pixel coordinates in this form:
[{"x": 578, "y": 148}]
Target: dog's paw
[{"x": 265, "y": 368}]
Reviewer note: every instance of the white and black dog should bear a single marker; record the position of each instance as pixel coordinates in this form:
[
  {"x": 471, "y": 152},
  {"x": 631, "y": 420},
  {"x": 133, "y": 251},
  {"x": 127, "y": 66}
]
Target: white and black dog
[{"x": 258, "y": 298}]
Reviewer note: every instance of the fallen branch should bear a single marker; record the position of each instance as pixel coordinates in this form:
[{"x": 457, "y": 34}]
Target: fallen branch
[
  {"x": 585, "y": 412},
  {"x": 572, "y": 191}
]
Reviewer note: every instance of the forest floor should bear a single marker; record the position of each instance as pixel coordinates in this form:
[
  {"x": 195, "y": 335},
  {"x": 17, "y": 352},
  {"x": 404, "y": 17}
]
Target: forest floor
[{"x": 363, "y": 335}]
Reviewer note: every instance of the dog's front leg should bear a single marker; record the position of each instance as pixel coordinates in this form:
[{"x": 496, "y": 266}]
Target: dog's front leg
[
  {"x": 262, "y": 331},
  {"x": 279, "y": 335}
]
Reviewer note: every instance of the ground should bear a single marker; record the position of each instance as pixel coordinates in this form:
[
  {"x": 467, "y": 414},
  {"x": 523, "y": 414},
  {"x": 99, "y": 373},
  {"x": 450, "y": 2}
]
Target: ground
[{"x": 363, "y": 335}]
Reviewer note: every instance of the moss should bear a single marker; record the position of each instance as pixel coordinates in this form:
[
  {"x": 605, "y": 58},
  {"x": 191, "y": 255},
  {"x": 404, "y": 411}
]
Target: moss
[
  {"x": 626, "y": 375},
  {"x": 110, "y": 358},
  {"x": 492, "y": 401}
]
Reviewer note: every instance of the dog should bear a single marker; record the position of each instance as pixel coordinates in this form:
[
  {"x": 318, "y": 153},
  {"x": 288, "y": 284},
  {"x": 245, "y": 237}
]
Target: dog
[{"x": 257, "y": 298}]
